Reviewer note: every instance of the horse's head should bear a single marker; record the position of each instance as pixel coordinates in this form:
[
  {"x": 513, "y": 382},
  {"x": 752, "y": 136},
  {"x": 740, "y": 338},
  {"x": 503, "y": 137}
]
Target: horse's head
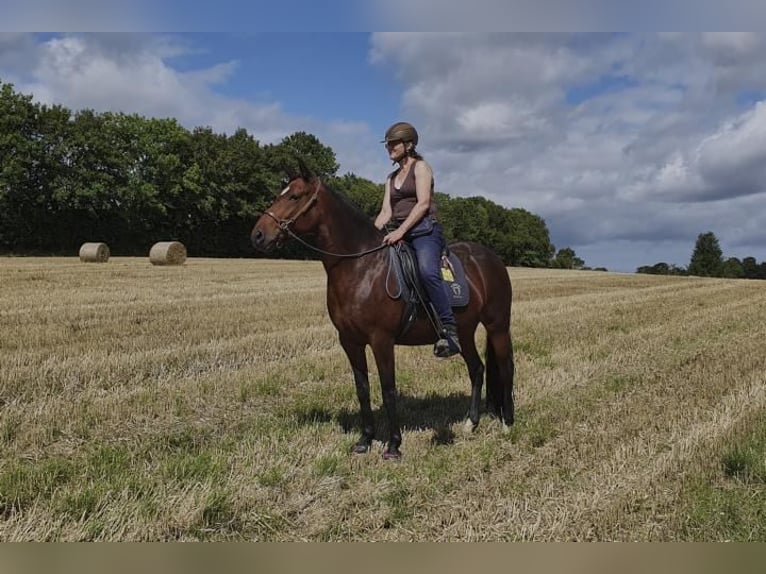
[{"x": 294, "y": 210}]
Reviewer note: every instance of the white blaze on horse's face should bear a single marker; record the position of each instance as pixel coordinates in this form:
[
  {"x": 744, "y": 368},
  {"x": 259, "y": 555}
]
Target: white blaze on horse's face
[{"x": 285, "y": 190}]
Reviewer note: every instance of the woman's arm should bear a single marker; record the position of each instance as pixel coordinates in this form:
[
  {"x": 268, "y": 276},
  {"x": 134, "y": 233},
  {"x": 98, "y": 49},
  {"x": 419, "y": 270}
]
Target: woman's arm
[{"x": 385, "y": 209}]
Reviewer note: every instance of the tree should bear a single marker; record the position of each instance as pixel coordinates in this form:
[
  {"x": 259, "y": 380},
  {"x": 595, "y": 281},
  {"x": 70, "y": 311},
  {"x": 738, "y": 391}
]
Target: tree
[
  {"x": 661, "y": 268},
  {"x": 366, "y": 194},
  {"x": 756, "y": 271},
  {"x": 750, "y": 267},
  {"x": 516, "y": 235},
  {"x": 32, "y": 170},
  {"x": 733, "y": 269},
  {"x": 129, "y": 181},
  {"x": 566, "y": 258},
  {"x": 707, "y": 258},
  {"x": 319, "y": 158}
]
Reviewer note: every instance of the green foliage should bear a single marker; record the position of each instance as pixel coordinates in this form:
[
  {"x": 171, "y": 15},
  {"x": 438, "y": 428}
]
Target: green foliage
[
  {"x": 661, "y": 268},
  {"x": 707, "y": 258},
  {"x": 131, "y": 181},
  {"x": 732, "y": 268},
  {"x": 365, "y": 194},
  {"x": 707, "y": 261},
  {"x": 319, "y": 158},
  {"x": 566, "y": 258},
  {"x": 752, "y": 270},
  {"x": 516, "y": 235}
]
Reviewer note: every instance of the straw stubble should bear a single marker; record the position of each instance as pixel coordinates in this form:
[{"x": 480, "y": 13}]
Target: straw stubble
[{"x": 218, "y": 405}]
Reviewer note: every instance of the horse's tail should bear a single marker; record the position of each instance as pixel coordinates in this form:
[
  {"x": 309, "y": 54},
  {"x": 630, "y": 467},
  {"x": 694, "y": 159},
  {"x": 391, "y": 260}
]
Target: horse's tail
[{"x": 499, "y": 363}]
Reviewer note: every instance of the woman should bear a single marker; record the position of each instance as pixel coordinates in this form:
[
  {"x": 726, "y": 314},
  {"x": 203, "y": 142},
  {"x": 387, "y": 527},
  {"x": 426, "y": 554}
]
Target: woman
[{"x": 408, "y": 200}]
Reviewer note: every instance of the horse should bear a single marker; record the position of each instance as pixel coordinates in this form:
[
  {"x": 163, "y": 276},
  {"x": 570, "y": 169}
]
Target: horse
[{"x": 356, "y": 263}]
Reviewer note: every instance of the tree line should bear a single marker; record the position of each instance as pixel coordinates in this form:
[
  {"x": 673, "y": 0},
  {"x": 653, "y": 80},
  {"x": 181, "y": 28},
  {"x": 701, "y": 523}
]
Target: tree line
[
  {"x": 70, "y": 177},
  {"x": 707, "y": 260}
]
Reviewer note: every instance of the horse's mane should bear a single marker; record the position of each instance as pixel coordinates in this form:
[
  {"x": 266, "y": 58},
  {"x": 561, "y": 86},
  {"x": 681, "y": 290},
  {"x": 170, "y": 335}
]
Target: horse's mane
[{"x": 354, "y": 215}]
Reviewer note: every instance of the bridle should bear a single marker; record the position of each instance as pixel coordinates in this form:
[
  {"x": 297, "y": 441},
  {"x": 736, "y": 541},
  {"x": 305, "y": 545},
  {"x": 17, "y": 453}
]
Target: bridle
[{"x": 284, "y": 227}]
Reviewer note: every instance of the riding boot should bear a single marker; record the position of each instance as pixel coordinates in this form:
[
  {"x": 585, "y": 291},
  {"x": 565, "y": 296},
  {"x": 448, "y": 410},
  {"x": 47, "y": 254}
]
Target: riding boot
[{"x": 448, "y": 343}]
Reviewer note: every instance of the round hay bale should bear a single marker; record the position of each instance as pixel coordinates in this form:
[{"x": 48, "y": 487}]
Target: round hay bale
[
  {"x": 167, "y": 253},
  {"x": 94, "y": 253}
]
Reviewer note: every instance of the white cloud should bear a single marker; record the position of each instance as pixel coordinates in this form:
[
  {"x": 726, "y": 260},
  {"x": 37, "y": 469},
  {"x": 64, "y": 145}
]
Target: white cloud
[
  {"x": 737, "y": 154},
  {"x": 655, "y": 149},
  {"x": 729, "y": 163},
  {"x": 731, "y": 46},
  {"x": 131, "y": 73}
]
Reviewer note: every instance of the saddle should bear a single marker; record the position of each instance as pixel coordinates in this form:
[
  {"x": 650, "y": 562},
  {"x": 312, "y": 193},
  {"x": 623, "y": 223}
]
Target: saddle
[{"x": 403, "y": 263}]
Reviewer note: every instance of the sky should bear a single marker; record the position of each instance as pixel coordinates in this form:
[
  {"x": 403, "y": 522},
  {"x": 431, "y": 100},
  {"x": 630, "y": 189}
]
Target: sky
[{"x": 628, "y": 145}]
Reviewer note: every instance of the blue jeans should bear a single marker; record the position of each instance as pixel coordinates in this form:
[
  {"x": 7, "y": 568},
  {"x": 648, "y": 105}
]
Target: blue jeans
[{"x": 428, "y": 249}]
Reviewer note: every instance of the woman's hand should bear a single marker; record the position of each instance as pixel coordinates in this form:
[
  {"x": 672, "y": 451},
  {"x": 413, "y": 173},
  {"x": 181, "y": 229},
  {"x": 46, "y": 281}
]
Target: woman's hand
[{"x": 394, "y": 237}]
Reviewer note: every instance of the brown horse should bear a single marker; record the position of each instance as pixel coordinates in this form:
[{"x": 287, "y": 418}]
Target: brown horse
[{"x": 364, "y": 314}]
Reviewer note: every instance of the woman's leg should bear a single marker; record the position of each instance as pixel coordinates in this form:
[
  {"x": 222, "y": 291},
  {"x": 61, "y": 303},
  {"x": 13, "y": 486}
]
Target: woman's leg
[{"x": 428, "y": 249}]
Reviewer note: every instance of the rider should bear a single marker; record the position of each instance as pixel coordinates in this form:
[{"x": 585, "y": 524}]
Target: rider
[{"x": 408, "y": 200}]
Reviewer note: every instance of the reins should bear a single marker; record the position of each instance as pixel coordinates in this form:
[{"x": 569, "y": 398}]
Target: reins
[{"x": 284, "y": 225}]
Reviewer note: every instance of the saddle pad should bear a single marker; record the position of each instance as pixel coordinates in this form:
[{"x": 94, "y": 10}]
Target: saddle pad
[
  {"x": 455, "y": 284},
  {"x": 454, "y": 281}
]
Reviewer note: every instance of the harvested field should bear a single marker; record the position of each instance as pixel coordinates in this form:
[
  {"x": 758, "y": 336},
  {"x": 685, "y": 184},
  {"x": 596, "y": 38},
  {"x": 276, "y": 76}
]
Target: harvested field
[{"x": 212, "y": 401}]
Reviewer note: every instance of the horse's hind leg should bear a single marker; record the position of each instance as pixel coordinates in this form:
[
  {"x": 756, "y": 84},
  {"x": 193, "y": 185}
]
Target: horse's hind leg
[
  {"x": 358, "y": 359},
  {"x": 502, "y": 371},
  {"x": 476, "y": 373}
]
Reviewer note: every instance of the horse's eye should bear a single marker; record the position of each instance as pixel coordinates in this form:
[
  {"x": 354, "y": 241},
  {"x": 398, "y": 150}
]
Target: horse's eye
[{"x": 294, "y": 197}]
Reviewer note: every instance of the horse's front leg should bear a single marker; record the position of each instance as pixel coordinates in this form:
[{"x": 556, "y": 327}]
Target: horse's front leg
[
  {"x": 358, "y": 359},
  {"x": 383, "y": 350},
  {"x": 476, "y": 372}
]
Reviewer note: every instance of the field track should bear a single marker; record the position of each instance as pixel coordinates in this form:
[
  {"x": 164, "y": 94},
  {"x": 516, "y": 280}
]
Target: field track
[{"x": 212, "y": 401}]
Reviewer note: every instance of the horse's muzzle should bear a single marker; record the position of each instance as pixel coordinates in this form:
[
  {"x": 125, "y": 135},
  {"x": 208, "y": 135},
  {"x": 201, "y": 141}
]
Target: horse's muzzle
[
  {"x": 260, "y": 241},
  {"x": 265, "y": 239}
]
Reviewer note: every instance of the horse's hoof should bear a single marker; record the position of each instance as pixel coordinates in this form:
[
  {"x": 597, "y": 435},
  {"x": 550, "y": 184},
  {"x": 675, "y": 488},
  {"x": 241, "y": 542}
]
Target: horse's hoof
[
  {"x": 469, "y": 426},
  {"x": 506, "y": 428},
  {"x": 360, "y": 448},
  {"x": 392, "y": 454}
]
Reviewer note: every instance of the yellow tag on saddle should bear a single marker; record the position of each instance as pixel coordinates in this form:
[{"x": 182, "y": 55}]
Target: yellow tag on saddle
[{"x": 447, "y": 270}]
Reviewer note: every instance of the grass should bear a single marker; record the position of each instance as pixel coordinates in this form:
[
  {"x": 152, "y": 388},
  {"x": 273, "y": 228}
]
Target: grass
[
  {"x": 729, "y": 501},
  {"x": 213, "y": 402}
]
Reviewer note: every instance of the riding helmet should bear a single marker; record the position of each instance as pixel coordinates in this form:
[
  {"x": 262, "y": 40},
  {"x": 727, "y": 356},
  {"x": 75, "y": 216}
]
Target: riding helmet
[{"x": 402, "y": 131}]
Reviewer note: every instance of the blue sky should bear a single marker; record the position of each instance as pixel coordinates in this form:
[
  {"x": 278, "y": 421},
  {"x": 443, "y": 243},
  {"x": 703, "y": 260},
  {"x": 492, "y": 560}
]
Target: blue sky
[
  {"x": 628, "y": 145},
  {"x": 322, "y": 73}
]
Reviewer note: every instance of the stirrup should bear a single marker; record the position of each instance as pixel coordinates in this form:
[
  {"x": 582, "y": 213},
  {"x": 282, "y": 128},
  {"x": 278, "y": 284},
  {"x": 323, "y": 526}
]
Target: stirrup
[{"x": 447, "y": 345}]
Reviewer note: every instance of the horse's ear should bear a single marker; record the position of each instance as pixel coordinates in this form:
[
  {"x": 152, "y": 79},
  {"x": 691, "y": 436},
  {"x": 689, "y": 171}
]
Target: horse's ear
[
  {"x": 306, "y": 173},
  {"x": 290, "y": 172}
]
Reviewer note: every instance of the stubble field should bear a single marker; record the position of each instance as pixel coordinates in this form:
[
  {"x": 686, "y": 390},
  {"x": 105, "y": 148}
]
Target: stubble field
[{"x": 213, "y": 402}]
